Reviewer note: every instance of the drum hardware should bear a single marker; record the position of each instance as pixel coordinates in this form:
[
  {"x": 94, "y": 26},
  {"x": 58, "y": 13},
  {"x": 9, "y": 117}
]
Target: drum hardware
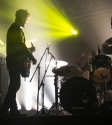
[
  {"x": 104, "y": 87},
  {"x": 65, "y": 78},
  {"x": 56, "y": 107},
  {"x": 78, "y": 95},
  {"x": 105, "y": 102},
  {"x": 102, "y": 95},
  {"x": 109, "y": 84},
  {"x": 100, "y": 64},
  {"x": 69, "y": 71}
]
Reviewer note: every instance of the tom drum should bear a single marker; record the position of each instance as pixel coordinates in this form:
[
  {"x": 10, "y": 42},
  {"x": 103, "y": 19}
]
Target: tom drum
[{"x": 100, "y": 66}]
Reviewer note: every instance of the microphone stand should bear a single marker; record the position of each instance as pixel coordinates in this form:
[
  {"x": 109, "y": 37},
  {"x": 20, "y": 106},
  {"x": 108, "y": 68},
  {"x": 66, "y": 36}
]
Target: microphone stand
[
  {"x": 42, "y": 84},
  {"x": 38, "y": 67}
]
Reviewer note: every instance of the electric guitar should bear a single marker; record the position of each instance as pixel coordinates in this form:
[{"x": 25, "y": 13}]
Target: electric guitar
[{"x": 25, "y": 64}]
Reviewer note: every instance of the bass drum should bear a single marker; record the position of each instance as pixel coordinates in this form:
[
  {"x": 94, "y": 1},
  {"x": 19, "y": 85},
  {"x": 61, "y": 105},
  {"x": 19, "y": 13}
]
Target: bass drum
[{"x": 78, "y": 95}]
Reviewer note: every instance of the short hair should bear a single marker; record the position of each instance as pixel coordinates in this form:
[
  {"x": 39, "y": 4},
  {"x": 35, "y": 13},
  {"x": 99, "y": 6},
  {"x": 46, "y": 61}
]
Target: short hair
[{"x": 21, "y": 13}]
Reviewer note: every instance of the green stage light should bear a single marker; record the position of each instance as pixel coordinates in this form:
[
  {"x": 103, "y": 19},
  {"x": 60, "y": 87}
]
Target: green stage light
[
  {"x": 1, "y": 42},
  {"x": 52, "y": 23},
  {"x": 74, "y": 32},
  {"x": 59, "y": 26}
]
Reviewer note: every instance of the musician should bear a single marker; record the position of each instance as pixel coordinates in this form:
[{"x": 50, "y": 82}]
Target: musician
[{"x": 15, "y": 46}]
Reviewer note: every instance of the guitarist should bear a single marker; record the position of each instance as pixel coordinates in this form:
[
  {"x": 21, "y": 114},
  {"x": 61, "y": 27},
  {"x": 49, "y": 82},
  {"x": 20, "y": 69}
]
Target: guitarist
[{"x": 15, "y": 46}]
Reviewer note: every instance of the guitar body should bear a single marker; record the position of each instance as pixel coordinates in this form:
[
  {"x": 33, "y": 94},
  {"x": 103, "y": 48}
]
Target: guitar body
[{"x": 25, "y": 65}]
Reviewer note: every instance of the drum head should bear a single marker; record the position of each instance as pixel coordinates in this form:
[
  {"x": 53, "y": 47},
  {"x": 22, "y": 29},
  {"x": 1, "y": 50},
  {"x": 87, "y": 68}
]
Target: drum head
[{"x": 77, "y": 95}]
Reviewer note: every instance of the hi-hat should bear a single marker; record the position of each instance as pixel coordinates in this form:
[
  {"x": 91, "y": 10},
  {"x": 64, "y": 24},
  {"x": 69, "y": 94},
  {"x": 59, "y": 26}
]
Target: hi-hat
[
  {"x": 107, "y": 46},
  {"x": 57, "y": 63},
  {"x": 70, "y": 71}
]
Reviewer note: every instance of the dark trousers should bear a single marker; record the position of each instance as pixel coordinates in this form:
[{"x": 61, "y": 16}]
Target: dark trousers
[{"x": 10, "y": 100}]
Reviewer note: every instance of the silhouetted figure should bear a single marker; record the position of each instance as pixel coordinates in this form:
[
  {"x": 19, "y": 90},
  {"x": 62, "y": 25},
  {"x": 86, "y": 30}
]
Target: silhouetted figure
[{"x": 15, "y": 47}]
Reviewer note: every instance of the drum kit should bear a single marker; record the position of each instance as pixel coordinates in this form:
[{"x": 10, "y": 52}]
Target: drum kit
[{"x": 81, "y": 95}]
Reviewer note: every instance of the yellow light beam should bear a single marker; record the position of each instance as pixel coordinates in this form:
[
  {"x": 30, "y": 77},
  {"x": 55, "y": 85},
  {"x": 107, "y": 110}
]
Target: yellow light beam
[{"x": 1, "y": 42}]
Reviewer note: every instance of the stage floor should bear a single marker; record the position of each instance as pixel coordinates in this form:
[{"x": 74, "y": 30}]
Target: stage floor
[{"x": 84, "y": 119}]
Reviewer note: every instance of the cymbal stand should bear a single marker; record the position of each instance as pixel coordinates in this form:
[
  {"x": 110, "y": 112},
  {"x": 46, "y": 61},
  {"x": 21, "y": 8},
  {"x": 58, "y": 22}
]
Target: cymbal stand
[{"x": 56, "y": 106}]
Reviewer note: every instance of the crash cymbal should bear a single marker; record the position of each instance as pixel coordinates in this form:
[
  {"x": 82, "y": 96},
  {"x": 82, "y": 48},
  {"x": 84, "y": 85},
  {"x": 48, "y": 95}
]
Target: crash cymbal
[
  {"x": 107, "y": 46},
  {"x": 70, "y": 71}
]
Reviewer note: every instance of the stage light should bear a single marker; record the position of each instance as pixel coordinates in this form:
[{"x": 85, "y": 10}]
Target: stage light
[
  {"x": 74, "y": 32},
  {"x": 51, "y": 22}
]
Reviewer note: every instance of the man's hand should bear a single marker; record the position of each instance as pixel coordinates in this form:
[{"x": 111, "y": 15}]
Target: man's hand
[
  {"x": 34, "y": 61},
  {"x": 32, "y": 49}
]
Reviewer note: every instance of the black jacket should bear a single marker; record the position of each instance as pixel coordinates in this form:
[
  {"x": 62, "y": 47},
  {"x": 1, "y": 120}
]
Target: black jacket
[{"x": 15, "y": 46}]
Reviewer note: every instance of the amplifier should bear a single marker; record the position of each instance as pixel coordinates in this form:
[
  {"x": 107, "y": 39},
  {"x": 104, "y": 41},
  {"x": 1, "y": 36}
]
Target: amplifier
[
  {"x": 4, "y": 78},
  {"x": 2, "y": 59}
]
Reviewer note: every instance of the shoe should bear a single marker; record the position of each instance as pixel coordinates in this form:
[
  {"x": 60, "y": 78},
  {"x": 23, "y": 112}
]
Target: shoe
[{"x": 17, "y": 113}]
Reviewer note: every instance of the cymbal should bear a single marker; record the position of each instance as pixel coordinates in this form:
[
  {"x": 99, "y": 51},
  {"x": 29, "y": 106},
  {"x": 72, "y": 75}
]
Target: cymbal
[
  {"x": 107, "y": 46},
  {"x": 70, "y": 71},
  {"x": 57, "y": 63}
]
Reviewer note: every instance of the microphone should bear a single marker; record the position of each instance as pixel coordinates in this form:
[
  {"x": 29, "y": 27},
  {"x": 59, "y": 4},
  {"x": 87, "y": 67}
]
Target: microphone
[{"x": 48, "y": 46}]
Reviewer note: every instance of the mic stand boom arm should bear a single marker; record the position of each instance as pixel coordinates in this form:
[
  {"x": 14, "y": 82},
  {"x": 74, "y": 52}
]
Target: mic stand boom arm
[
  {"x": 38, "y": 67},
  {"x": 45, "y": 72}
]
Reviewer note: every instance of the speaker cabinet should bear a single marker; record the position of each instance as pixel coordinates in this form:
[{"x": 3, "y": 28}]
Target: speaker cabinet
[{"x": 4, "y": 79}]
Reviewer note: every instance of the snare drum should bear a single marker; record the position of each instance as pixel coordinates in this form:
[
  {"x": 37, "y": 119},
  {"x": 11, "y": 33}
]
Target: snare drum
[{"x": 100, "y": 66}]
